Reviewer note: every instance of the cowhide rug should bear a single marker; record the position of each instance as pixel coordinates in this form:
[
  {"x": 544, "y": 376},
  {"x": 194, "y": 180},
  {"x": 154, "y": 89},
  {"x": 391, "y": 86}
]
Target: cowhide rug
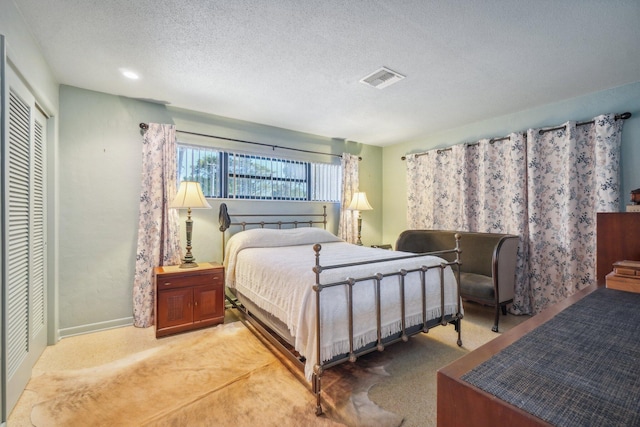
[{"x": 223, "y": 376}]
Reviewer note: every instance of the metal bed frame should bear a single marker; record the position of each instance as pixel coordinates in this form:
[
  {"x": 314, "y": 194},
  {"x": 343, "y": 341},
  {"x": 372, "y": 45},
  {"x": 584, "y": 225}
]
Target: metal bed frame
[{"x": 379, "y": 345}]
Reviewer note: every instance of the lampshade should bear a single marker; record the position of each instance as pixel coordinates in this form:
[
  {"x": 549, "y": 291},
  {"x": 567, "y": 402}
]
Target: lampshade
[
  {"x": 360, "y": 202},
  {"x": 190, "y": 196}
]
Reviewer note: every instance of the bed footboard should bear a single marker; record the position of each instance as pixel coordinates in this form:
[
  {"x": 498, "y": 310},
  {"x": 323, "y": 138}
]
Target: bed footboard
[{"x": 381, "y": 341}]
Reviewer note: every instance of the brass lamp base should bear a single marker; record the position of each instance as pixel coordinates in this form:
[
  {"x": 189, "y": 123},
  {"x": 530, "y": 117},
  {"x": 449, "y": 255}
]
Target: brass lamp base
[
  {"x": 359, "y": 241},
  {"x": 189, "y": 260},
  {"x": 188, "y": 264}
]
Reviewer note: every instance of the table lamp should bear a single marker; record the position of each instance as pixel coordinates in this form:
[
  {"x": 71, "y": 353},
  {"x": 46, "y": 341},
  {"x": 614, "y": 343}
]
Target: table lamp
[
  {"x": 190, "y": 197},
  {"x": 359, "y": 203}
]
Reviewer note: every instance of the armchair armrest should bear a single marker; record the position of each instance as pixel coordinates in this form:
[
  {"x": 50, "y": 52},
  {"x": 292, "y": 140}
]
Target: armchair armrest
[{"x": 504, "y": 268}]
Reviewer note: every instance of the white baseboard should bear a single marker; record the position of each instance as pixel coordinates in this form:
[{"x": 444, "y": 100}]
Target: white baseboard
[{"x": 95, "y": 327}]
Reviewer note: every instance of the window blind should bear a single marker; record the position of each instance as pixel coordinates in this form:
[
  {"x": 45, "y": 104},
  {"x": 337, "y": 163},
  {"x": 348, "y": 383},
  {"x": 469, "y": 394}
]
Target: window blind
[{"x": 239, "y": 175}]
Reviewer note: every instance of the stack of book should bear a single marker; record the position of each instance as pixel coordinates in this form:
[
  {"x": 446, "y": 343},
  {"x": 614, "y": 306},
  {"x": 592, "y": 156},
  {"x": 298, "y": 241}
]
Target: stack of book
[
  {"x": 625, "y": 276},
  {"x": 634, "y": 206}
]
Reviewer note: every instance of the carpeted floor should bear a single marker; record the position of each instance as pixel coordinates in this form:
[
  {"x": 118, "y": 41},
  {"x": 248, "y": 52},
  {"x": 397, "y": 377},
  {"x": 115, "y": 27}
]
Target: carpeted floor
[
  {"x": 410, "y": 389},
  {"x": 401, "y": 380}
]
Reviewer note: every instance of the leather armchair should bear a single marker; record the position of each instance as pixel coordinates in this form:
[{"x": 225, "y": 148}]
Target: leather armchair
[{"x": 487, "y": 272}]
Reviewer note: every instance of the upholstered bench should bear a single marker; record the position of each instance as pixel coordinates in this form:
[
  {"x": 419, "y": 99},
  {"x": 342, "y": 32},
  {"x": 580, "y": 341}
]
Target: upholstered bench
[{"x": 487, "y": 273}]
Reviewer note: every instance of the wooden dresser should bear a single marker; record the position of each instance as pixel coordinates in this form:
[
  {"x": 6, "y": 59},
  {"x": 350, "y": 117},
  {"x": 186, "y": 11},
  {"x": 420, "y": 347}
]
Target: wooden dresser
[{"x": 188, "y": 298}]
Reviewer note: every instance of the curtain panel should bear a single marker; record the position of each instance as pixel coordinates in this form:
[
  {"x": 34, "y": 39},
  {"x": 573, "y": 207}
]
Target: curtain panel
[
  {"x": 158, "y": 226},
  {"x": 435, "y": 189},
  {"x": 348, "y": 224},
  {"x": 573, "y": 173},
  {"x": 546, "y": 187},
  {"x": 497, "y": 200}
]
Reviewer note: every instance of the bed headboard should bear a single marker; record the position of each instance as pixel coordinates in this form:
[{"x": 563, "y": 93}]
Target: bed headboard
[{"x": 274, "y": 220}]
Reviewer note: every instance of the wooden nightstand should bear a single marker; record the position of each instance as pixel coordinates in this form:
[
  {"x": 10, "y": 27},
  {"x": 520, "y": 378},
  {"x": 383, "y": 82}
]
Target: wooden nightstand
[
  {"x": 383, "y": 246},
  {"x": 188, "y": 298}
]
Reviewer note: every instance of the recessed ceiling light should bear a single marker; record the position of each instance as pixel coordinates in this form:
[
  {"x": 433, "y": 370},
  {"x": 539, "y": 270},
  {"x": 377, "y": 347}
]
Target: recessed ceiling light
[{"x": 130, "y": 74}]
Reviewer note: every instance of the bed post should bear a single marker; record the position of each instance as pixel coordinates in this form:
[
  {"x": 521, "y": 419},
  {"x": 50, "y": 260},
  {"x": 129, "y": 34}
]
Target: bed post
[
  {"x": 459, "y": 313},
  {"x": 324, "y": 216},
  {"x": 317, "y": 369},
  {"x": 443, "y": 316}
]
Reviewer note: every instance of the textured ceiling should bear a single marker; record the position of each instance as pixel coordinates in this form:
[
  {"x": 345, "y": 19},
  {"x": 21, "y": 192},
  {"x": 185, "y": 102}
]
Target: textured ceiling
[{"x": 297, "y": 64}]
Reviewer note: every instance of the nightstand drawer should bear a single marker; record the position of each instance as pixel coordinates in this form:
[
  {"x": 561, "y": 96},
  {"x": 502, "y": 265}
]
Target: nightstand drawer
[{"x": 182, "y": 281}]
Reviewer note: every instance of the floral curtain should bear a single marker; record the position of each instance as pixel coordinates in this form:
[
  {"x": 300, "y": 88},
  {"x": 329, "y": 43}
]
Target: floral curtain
[
  {"x": 474, "y": 187},
  {"x": 348, "y": 224},
  {"x": 435, "y": 189},
  {"x": 420, "y": 182},
  {"x": 497, "y": 199},
  {"x": 545, "y": 187},
  {"x": 573, "y": 173},
  {"x": 158, "y": 241}
]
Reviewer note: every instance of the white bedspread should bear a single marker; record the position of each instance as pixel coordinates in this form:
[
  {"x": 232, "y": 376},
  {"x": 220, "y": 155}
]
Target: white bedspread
[{"x": 273, "y": 268}]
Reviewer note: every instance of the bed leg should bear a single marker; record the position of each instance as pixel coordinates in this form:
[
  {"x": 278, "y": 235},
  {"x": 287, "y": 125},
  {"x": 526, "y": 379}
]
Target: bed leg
[{"x": 315, "y": 381}]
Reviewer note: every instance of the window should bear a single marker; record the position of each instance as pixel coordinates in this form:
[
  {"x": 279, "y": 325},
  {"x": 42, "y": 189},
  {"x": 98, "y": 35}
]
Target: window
[
  {"x": 200, "y": 164},
  {"x": 224, "y": 174}
]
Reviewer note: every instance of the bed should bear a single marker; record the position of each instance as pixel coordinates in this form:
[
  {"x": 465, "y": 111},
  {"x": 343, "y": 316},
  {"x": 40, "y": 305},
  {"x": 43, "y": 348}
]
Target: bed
[{"x": 323, "y": 301}]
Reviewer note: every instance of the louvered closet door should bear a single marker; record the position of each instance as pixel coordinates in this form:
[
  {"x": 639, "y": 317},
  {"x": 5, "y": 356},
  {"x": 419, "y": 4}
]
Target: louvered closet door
[{"x": 24, "y": 246}]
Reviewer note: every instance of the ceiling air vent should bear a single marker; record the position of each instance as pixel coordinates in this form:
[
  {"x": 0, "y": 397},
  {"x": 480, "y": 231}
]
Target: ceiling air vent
[{"x": 382, "y": 78}]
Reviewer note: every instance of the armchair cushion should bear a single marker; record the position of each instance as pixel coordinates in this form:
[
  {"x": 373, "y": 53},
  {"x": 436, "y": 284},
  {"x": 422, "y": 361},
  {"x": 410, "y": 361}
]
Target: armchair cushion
[{"x": 477, "y": 286}]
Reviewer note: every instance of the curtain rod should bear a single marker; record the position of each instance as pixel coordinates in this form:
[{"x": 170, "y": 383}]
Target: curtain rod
[
  {"x": 623, "y": 116},
  {"x": 145, "y": 126}
]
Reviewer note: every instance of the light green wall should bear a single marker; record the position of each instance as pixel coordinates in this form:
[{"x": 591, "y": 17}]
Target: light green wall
[
  {"x": 100, "y": 166},
  {"x": 99, "y": 188},
  {"x": 617, "y": 100}
]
